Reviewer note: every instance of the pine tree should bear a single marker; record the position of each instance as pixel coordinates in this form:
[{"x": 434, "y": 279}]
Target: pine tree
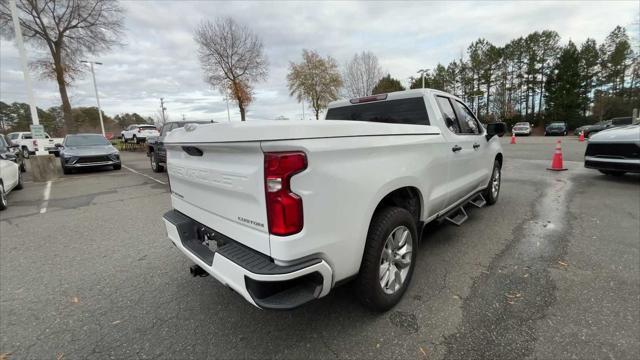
[{"x": 563, "y": 87}]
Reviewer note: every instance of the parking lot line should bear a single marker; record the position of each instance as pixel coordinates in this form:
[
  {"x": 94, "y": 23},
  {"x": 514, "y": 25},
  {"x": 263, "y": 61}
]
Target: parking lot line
[
  {"x": 145, "y": 175},
  {"x": 45, "y": 197}
]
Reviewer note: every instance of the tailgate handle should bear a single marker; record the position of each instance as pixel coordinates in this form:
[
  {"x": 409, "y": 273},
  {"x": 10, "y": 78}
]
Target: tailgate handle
[{"x": 192, "y": 150}]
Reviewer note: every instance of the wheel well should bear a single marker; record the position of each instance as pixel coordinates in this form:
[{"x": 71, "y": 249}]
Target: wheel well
[
  {"x": 499, "y": 158},
  {"x": 408, "y": 198}
]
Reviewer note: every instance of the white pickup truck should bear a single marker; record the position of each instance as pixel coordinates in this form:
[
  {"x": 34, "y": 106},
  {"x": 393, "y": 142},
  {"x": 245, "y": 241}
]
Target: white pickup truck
[
  {"x": 282, "y": 212},
  {"x": 29, "y": 145}
]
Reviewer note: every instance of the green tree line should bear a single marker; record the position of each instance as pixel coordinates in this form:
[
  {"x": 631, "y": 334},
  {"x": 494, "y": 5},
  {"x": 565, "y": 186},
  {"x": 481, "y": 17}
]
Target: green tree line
[
  {"x": 534, "y": 78},
  {"x": 17, "y": 117}
]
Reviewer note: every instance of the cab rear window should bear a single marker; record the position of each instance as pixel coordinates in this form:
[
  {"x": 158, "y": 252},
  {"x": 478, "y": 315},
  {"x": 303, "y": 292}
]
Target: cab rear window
[{"x": 400, "y": 111}]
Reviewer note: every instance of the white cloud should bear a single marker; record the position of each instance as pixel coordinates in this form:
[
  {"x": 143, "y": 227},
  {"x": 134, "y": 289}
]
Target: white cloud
[{"x": 159, "y": 58}]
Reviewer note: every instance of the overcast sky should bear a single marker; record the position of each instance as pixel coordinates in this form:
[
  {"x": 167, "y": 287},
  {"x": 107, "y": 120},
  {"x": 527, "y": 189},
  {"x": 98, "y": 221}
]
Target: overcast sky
[{"x": 159, "y": 57}]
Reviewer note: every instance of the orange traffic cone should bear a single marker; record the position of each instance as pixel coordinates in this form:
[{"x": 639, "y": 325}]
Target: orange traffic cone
[
  {"x": 556, "y": 162},
  {"x": 513, "y": 138},
  {"x": 581, "y": 138}
]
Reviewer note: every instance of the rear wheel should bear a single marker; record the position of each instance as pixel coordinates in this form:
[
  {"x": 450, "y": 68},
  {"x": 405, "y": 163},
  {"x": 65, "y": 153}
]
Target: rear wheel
[
  {"x": 23, "y": 167},
  {"x": 25, "y": 152},
  {"x": 388, "y": 259},
  {"x": 3, "y": 197},
  {"x": 66, "y": 170},
  {"x": 492, "y": 191},
  {"x": 612, "y": 172}
]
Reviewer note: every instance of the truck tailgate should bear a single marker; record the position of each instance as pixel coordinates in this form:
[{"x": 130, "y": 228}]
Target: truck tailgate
[{"x": 221, "y": 185}]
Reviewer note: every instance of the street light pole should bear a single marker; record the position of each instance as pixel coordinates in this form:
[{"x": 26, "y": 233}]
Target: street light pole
[
  {"x": 95, "y": 88},
  {"x": 23, "y": 62},
  {"x": 422, "y": 72}
]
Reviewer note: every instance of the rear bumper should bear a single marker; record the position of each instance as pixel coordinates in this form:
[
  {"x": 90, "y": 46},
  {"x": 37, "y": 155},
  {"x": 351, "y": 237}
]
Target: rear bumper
[
  {"x": 628, "y": 165},
  {"x": 250, "y": 273}
]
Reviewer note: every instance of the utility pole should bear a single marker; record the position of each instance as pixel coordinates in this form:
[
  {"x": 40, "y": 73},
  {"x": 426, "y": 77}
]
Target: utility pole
[
  {"x": 23, "y": 62},
  {"x": 95, "y": 88},
  {"x": 163, "y": 109}
]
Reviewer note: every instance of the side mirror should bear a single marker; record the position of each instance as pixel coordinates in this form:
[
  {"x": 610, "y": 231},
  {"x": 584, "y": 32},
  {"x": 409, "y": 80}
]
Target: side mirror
[{"x": 494, "y": 129}]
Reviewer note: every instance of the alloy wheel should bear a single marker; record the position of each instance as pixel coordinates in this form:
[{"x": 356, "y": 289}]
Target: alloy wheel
[
  {"x": 495, "y": 182},
  {"x": 395, "y": 260}
]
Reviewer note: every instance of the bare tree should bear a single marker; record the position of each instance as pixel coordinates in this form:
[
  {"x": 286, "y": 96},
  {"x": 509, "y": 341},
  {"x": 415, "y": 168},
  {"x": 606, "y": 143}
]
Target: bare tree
[
  {"x": 232, "y": 58},
  {"x": 361, "y": 74},
  {"x": 70, "y": 30},
  {"x": 315, "y": 79}
]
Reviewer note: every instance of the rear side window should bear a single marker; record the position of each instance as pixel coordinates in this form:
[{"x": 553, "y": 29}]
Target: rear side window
[
  {"x": 26, "y": 136},
  {"x": 400, "y": 111}
]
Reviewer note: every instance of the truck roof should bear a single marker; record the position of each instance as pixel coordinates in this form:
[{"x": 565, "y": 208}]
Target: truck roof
[{"x": 395, "y": 95}]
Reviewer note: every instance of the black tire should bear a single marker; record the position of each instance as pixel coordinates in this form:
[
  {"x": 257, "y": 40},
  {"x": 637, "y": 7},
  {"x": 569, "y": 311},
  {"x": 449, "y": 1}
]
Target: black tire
[
  {"x": 23, "y": 167},
  {"x": 25, "y": 152},
  {"x": 66, "y": 170},
  {"x": 134, "y": 139},
  {"x": 155, "y": 165},
  {"x": 367, "y": 285},
  {"x": 3, "y": 198},
  {"x": 489, "y": 194},
  {"x": 546, "y": 134},
  {"x": 124, "y": 139},
  {"x": 612, "y": 172},
  {"x": 117, "y": 167},
  {"x": 19, "y": 186}
]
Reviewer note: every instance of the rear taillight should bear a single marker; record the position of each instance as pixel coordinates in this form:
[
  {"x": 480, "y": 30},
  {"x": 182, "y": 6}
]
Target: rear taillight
[{"x": 284, "y": 208}]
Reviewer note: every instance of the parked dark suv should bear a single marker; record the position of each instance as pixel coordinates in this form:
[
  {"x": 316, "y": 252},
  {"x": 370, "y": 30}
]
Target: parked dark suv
[
  {"x": 155, "y": 144},
  {"x": 556, "y": 128}
]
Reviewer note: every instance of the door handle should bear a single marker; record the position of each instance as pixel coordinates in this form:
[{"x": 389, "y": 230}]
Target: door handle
[
  {"x": 476, "y": 146},
  {"x": 456, "y": 148}
]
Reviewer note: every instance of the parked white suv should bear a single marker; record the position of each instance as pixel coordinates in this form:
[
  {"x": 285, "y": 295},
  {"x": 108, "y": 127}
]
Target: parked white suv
[
  {"x": 138, "y": 133},
  {"x": 282, "y": 212}
]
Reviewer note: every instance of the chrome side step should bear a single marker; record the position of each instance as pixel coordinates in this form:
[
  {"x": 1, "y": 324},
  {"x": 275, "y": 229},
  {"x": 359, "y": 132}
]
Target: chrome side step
[
  {"x": 478, "y": 201},
  {"x": 458, "y": 216}
]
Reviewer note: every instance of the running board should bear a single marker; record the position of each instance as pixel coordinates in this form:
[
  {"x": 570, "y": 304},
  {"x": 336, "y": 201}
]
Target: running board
[
  {"x": 478, "y": 201},
  {"x": 458, "y": 216}
]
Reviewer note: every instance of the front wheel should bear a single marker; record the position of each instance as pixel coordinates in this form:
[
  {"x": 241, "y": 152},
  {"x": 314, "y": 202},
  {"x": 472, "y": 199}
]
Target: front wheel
[
  {"x": 3, "y": 198},
  {"x": 492, "y": 191},
  {"x": 388, "y": 259},
  {"x": 155, "y": 165},
  {"x": 117, "y": 167},
  {"x": 19, "y": 185}
]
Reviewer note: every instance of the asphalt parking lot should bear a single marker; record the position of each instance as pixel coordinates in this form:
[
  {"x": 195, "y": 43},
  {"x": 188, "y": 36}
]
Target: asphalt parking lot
[{"x": 552, "y": 271}]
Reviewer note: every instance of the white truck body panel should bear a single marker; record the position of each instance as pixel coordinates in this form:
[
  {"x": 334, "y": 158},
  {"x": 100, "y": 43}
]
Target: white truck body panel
[{"x": 352, "y": 166}]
